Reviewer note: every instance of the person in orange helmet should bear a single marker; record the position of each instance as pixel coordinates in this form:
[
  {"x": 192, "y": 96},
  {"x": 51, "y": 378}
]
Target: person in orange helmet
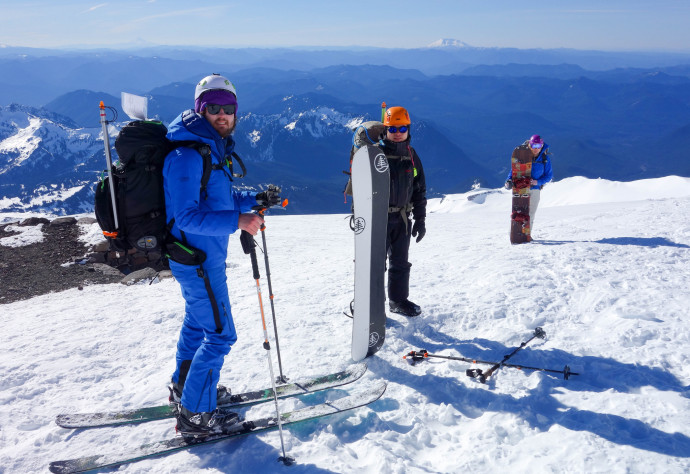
[{"x": 407, "y": 197}]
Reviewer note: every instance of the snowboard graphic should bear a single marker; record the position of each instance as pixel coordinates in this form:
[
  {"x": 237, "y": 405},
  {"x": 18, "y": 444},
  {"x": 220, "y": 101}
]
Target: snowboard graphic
[
  {"x": 370, "y": 191},
  {"x": 521, "y": 164}
]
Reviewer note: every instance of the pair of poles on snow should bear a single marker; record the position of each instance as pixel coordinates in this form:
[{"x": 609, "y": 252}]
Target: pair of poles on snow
[{"x": 420, "y": 355}]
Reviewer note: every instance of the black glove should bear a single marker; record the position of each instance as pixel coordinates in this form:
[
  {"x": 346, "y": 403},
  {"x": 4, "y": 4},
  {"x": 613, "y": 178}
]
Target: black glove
[
  {"x": 270, "y": 197},
  {"x": 418, "y": 228},
  {"x": 509, "y": 184}
]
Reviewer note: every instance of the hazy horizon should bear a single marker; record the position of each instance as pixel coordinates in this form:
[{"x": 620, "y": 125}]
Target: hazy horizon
[{"x": 633, "y": 25}]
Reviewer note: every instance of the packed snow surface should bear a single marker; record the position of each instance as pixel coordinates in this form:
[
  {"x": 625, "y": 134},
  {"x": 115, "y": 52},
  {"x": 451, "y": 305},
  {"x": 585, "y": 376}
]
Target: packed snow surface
[{"x": 607, "y": 279}]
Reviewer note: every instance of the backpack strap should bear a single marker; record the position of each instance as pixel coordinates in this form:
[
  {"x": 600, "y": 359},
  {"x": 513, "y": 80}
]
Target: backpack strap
[
  {"x": 400, "y": 157},
  {"x": 205, "y": 151},
  {"x": 234, "y": 157}
]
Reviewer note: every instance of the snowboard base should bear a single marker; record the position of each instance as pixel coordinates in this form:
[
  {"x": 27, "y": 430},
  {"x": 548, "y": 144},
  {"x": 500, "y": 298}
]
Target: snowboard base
[{"x": 521, "y": 165}]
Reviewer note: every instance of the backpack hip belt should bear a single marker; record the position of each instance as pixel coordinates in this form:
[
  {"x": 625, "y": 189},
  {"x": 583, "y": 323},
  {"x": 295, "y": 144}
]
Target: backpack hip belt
[{"x": 404, "y": 211}]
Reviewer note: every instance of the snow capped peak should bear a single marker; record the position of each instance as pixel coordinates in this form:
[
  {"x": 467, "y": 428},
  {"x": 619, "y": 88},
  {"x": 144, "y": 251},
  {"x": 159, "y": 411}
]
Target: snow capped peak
[{"x": 448, "y": 43}]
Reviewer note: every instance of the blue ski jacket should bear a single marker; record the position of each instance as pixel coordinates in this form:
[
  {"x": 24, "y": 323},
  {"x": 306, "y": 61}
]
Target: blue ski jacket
[
  {"x": 207, "y": 218},
  {"x": 541, "y": 168}
]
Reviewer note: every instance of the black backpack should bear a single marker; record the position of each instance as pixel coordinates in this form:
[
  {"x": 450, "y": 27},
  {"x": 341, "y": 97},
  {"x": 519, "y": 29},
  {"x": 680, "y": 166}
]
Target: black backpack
[
  {"x": 138, "y": 185},
  {"x": 368, "y": 133}
]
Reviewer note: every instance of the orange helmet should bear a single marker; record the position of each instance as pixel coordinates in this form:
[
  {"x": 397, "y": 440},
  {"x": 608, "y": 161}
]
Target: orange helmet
[{"x": 396, "y": 116}]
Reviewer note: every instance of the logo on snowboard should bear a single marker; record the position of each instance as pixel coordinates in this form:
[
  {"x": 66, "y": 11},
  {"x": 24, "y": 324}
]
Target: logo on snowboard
[
  {"x": 373, "y": 339},
  {"x": 381, "y": 163},
  {"x": 359, "y": 224}
]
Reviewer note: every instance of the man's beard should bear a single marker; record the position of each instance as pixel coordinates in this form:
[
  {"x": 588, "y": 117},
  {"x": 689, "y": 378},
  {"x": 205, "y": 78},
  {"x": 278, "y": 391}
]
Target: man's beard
[{"x": 231, "y": 131}]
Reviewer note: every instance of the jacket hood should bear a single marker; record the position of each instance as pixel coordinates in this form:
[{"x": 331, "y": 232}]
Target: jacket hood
[{"x": 190, "y": 126}]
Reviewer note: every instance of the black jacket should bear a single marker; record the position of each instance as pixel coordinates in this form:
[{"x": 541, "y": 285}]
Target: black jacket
[{"x": 408, "y": 184}]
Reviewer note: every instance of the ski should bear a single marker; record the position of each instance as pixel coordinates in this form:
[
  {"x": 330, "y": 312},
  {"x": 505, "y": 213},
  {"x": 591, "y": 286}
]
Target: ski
[
  {"x": 171, "y": 445},
  {"x": 141, "y": 415}
]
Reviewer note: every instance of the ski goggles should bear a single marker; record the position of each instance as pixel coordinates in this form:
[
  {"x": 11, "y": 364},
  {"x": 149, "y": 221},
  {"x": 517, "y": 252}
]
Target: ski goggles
[
  {"x": 214, "y": 109},
  {"x": 402, "y": 129},
  {"x": 537, "y": 146}
]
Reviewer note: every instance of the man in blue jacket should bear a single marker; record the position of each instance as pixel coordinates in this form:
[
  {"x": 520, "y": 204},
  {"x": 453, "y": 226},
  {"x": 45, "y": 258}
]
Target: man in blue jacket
[
  {"x": 203, "y": 219},
  {"x": 541, "y": 173}
]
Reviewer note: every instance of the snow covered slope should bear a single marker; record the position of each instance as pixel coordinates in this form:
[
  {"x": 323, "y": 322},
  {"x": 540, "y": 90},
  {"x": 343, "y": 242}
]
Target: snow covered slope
[{"x": 607, "y": 279}]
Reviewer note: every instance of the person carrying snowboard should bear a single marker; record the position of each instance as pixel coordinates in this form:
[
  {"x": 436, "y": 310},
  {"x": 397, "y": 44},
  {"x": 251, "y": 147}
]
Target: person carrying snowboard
[
  {"x": 407, "y": 197},
  {"x": 203, "y": 219},
  {"x": 541, "y": 173}
]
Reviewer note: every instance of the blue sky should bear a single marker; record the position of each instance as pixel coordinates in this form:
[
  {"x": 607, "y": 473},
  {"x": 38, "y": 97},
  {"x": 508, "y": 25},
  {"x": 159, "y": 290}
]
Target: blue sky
[{"x": 589, "y": 24}]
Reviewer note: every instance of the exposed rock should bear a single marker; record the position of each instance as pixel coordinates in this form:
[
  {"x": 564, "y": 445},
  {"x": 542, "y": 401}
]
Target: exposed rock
[
  {"x": 63, "y": 221},
  {"x": 165, "y": 274},
  {"x": 34, "y": 221},
  {"x": 39, "y": 268},
  {"x": 101, "y": 246},
  {"x": 107, "y": 270},
  {"x": 146, "y": 275}
]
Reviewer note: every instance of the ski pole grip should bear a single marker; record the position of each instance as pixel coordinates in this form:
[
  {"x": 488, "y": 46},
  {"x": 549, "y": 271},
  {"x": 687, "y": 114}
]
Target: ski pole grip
[
  {"x": 247, "y": 242},
  {"x": 248, "y": 245}
]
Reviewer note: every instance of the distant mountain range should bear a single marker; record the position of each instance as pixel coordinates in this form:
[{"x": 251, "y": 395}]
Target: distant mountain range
[
  {"x": 141, "y": 70},
  {"x": 48, "y": 164},
  {"x": 297, "y": 109}
]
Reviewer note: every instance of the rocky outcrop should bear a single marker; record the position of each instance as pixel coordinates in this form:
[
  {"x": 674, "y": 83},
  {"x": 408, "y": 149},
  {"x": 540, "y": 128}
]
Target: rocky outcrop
[{"x": 39, "y": 256}]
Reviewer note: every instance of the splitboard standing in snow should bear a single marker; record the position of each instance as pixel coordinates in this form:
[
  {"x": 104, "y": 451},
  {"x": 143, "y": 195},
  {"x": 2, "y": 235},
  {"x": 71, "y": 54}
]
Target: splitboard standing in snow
[
  {"x": 370, "y": 199},
  {"x": 521, "y": 169},
  {"x": 530, "y": 171}
]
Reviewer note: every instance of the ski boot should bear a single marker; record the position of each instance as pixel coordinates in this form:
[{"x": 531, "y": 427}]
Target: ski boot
[
  {"x": 223, "y": 395},
  {"x": 197, "y": 426},
  {"x": 405, "y": 307}
]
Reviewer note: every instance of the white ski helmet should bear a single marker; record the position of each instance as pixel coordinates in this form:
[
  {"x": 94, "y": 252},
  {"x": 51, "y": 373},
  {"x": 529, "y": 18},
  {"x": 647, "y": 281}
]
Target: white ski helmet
[{"x": 214, "y": 81}]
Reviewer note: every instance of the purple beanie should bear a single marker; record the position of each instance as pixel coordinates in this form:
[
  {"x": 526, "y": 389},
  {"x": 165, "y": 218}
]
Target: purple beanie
[{"x": 215, "y": 96}]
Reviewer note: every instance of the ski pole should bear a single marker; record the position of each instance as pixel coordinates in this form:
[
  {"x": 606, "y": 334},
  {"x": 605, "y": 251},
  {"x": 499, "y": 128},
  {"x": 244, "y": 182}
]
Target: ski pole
[
  {"x": 106, "y": 143},
  {"x": 383, "y": 111},
  {"x": 416, "y": 356},
  {"x": 248, "y": 245},
  {"x": 281, "y": 378},
  {"x": 538, "y": 332}
]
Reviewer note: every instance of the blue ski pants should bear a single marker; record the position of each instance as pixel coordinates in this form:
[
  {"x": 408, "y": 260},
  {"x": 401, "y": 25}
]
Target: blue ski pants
[{"x": 201, "y": 340}]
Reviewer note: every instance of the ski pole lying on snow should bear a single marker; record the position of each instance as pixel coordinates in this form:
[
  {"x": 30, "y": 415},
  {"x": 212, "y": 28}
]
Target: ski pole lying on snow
[
  {"x": 482, "y": 376},
  {"x": 416, "y": 356},
  {"x": 248, "y": 245}
]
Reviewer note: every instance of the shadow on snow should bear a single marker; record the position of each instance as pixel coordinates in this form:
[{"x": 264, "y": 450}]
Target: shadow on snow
[
  {"x": 652, "y": 242},
  {"x": 541, "y": 409}
]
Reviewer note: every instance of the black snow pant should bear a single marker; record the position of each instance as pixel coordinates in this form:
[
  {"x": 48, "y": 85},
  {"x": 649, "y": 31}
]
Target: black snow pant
[{"x": 397, "y": 249}]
